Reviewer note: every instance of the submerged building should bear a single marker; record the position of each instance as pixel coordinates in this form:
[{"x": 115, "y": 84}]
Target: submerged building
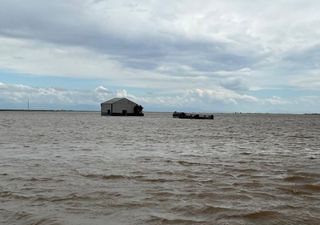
[{"x": 121, "y": 107}]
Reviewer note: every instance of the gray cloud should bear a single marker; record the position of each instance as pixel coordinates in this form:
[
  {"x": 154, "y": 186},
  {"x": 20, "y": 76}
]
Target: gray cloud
[
  {"x": 236, "y": 84},
  {"x": 196, "y": 99},
  {"x": 137, "y": 39},
  {"x": 165, "y": 45},
  {"x": 306, "y": 58}
]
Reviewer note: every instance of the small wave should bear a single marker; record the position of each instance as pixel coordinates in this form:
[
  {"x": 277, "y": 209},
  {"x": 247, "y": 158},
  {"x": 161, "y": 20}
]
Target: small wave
[
  {"x": 308, "y": 174},
  {"x": 239, "y": 172},
  {"x": 294, "y": 190},
  {"x": 30, "y": 219},
  {"x": 203, "y": 195},
  {"x": 107, "y": 177},
  {"x": 160, "y": 193},
  {"x": 156, "y": 180},
  {"x": 253, "y": 184},
  {"x": 187, "y": 163},
  {"x": 22, "y": 215},
  {"x": 245, "y": 153},
  {"x": 265, "y": 195},
  {"x": 288, "y": 206},
  {"x": 302, "y": 189},
  {"x": 44, "y": 221},
  {"x": 168, "y": 173},
  {"x": 243, "y": 197},
  {"x": 76, "y": 197},
  {"x": 86, "y": 149},
  {"x": 35, "y": 179},
  {"x": 13, "y": 195},
  {"x": 131, "y": 205},
  {"x": 200, "y": 210},
  {"x": 161, "y": 220},
  {"x": 213, "y": 209},
  {"x": 167, "y": 179},
  {"x": 260, "y": 215},
  {"x": 301, "y": 136},
  {"x": 297, "y": 178},
  {"x": 312, "y": 187}
]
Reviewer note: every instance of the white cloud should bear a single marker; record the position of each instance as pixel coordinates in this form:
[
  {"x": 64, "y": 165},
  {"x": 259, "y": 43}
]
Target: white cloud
[
  {"x": 275, "y": 100},
  {"x": 310, "y": 80},
  {"x": 102, "y": 89},
  {"x": 26, "y": 56},
  {"x": 213, "y": 50},
  {"x": 309, "y": 100},
  {"x": 222, "y": 95},
  {"x": 17, "y": 93},
  {"x": 197, "y": 99},
  {"x": 122, "y": 93}
]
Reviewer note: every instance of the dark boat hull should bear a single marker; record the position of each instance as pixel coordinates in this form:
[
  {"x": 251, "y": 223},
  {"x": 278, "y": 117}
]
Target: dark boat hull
[{"x": 183, "y": 115}]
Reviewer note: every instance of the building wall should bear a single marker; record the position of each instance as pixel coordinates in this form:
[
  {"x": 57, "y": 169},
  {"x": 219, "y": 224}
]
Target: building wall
[
  {"x": 104, "y": 108},
  {"x": 124, "y": 104}
]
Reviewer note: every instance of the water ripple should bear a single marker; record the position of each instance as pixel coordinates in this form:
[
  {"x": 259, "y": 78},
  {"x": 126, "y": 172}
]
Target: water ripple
[{"x": 81, "y": 168}]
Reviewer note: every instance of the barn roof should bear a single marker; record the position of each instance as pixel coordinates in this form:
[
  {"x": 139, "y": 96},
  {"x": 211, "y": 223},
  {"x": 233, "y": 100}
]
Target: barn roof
[{"x": 114, "y": 100}]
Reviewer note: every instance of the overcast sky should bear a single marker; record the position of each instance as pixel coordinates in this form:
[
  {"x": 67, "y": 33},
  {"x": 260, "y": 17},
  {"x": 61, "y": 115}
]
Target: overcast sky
[{"x": 204, "y": 55}]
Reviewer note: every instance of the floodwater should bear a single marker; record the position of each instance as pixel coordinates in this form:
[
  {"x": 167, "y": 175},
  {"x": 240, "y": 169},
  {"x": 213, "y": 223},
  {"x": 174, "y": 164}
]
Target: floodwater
[{"x": 72, "y": 168}]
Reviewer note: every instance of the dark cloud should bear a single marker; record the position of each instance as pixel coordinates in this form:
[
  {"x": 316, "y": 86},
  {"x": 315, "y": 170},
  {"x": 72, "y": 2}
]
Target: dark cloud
[
  {"x": 236, "y": 84},
  {"x": 306, "y": 58},
  {"x": 70, "y": 23}
]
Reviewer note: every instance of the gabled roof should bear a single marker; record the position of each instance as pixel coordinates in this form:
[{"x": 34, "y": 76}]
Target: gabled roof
[
  {"x": 111, "y": 101},
  {"x": 114, "y": 100}
]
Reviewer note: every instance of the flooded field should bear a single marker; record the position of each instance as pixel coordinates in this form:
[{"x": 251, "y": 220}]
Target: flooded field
[{"x": 62, "y": 168}]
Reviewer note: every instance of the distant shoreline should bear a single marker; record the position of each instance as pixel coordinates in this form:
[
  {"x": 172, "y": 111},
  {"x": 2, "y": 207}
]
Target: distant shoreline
[
  {"x": 97, "y": 111},
  {"x": 44, "y": 110}
]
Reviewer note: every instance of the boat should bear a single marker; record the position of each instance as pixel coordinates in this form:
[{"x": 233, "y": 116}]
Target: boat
[{"x": 183, "y": 115}]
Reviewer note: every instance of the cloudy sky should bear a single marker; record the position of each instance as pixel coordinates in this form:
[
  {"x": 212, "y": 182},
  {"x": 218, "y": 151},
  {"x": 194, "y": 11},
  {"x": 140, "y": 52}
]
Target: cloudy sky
[{"x": 204, "y": 55}]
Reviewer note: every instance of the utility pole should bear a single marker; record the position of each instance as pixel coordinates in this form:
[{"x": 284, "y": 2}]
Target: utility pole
[{"x": 28, "y": 104}]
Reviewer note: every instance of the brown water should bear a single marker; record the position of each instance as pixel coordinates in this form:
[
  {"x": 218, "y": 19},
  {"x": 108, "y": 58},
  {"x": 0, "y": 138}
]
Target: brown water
[{"x": 81, "y": 168}]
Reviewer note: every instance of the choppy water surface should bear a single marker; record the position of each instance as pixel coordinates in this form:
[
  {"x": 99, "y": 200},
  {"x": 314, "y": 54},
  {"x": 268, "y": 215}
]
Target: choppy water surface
[{"x": 81, "y": 168}]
